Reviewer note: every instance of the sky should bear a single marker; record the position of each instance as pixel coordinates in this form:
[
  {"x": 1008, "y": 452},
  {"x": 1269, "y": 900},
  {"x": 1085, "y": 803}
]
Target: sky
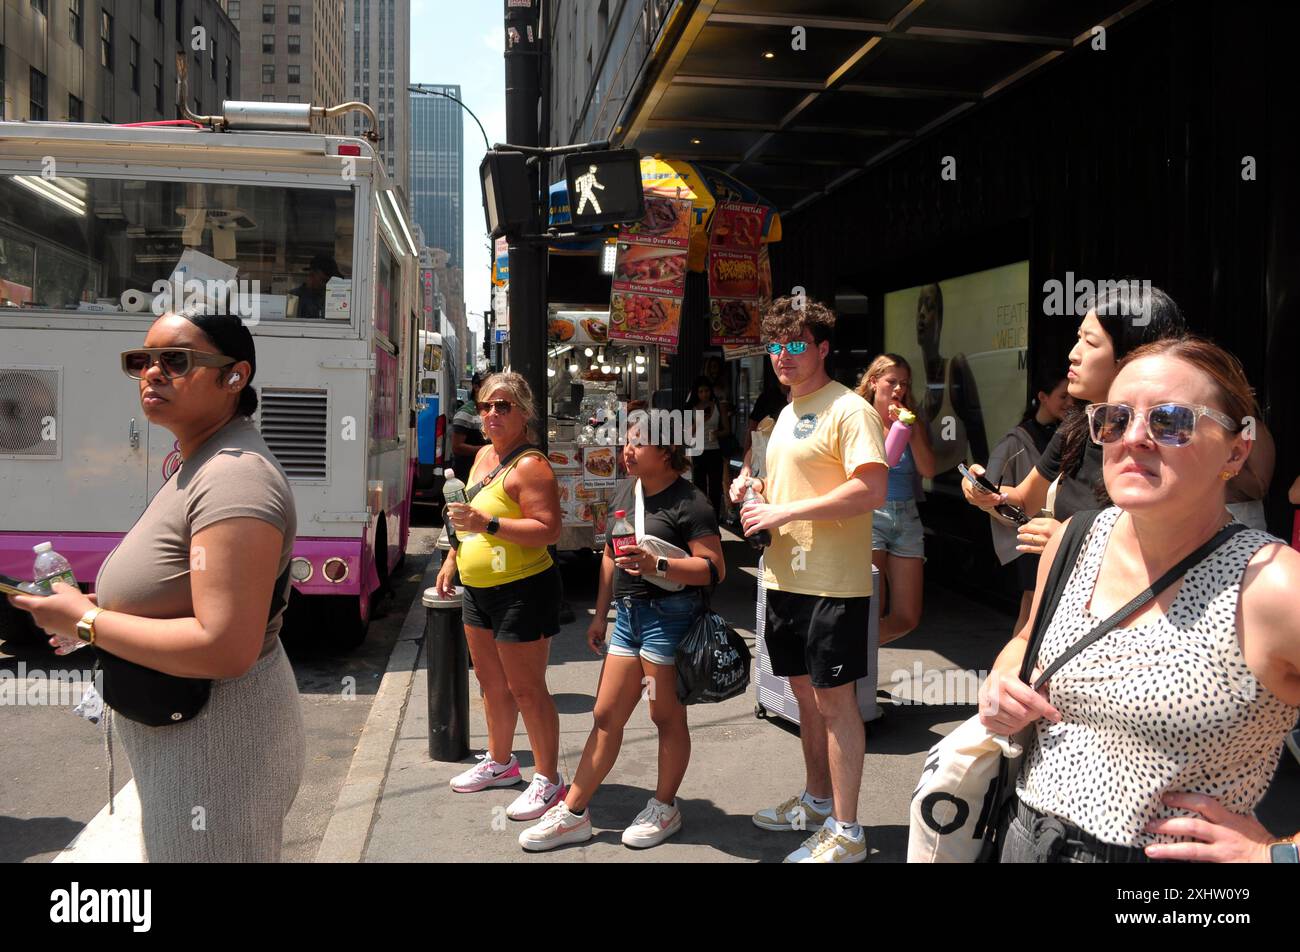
[{"x": 462, "y": 42}]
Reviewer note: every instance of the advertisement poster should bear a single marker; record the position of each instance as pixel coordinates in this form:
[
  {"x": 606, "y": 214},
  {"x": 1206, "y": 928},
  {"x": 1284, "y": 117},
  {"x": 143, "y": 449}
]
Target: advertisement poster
[
  {"x": 568, "y": 488},
  {"x": 736, "y": 257},
  {"x": 564, "y": 458},
  {"x": 650, "y": 274},
  {"x": 578, "y": 327},
  {"x": 966, "y": 339},
  {"x": 598, "y": 466}
]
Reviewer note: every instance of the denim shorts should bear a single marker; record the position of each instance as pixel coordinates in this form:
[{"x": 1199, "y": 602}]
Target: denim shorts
[
  {"x": 896, "y": 528},
  {"x": 653, "y": 627}
]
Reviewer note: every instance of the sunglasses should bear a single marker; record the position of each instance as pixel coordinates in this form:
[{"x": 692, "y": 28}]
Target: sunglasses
[
  {"x": 173, "y": 361},
  {"x": 1170, "y": 424},
  {"x": 794, "y": 348},
  {"x": 502, "y": 407}
]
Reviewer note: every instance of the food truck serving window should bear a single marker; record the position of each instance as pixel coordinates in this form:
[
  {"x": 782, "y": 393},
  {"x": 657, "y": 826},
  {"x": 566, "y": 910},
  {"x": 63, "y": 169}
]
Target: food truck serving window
[{"x": 129, "y": 246}]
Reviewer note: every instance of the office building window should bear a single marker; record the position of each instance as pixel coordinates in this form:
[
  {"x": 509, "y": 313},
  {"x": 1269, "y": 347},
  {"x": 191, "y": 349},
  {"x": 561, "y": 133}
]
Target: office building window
[
  {"x": 105, "y": 39},
  {"x": 2, "y": 82},
  {"x": 295, "y": 43},
  {"x": 295, "y": 13},
  {"x": 212, "y": 65},
  {"x": 232, "y": 10},
  {"x": 38, "y": 94},
  {"x": 180, "y": 21},
  {"x": 267, "y": 97},
  {"x": 268, "y": 72},
  {"x": 230, "y": 88},
  {"x": 157, "y": 10},
  {"x": 268, "y": 42},
  {"x": 295, "y": 73},
  {"x": 135, "y": 65},
  {"x": 74, "y": 20},
  {"x": 268, "y": 13},
  {"x": 75, "y": 109},
  {"x": 295, "y": 99},
  {"x": 157, "y": 86}
]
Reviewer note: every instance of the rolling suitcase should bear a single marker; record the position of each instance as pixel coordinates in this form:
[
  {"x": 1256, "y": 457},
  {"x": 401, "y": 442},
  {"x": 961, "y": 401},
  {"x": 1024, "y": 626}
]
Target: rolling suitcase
[{"x": 772, "y": 694}]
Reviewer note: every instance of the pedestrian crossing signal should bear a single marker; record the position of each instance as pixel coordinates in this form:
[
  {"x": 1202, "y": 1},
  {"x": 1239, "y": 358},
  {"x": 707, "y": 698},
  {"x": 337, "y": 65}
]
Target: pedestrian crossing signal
[{"x": 604, "y": 187}]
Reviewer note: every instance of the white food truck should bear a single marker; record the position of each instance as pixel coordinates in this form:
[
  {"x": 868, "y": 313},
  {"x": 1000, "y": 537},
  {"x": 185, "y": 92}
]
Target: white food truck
[{"x": 103, "y": 226}]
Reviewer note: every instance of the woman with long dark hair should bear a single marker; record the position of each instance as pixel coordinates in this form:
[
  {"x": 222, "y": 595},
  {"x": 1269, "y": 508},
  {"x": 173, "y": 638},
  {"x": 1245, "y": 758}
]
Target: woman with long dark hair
[{"x": 706, "y": 467}]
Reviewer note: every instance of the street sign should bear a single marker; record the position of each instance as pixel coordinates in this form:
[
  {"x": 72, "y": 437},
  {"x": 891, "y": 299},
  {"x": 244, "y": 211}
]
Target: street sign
[
  {"x": 500, "y": 336},
  {"x": 604, "y": 187}
]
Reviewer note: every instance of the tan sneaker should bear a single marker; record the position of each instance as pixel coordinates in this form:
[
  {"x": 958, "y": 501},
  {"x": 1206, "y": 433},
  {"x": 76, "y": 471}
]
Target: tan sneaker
[
  {"x": 794, "y": 814},
  {"x": 827, "y": 846}
]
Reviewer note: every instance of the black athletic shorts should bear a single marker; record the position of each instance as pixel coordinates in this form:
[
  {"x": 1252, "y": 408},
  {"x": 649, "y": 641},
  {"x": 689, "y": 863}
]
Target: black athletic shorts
[
  {"x": 519, "y": 611},
  {"x": 824, "y": 638}
]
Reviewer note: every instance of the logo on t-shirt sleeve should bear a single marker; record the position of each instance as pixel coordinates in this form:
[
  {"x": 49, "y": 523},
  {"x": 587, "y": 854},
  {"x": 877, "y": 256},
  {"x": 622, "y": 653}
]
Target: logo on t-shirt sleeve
[{"x": 805, "y": 426}]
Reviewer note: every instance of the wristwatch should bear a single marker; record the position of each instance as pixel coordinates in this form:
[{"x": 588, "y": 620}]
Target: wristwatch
[
  {"x": 661, "y": 567},
  {"x": 86, "y": 627},
  {"x": 493, "y": 526},
  {"x": 1285, "y": 851}
]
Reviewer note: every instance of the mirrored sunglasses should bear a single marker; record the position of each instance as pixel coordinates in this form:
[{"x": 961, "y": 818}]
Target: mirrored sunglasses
[{"x": 793, "y": 348}]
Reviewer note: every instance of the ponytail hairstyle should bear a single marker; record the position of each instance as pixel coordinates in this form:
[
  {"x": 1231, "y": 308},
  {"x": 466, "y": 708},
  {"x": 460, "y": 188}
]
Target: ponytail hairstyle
[
  {"x": 876, "y": 369},
  {"x": 232, "y": 339}
]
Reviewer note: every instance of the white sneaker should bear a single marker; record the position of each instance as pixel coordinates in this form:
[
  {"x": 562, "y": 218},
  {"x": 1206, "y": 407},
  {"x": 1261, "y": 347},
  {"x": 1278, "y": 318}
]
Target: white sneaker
[
  {"x": 557, "y": 827},
  {"x": 794, "y": 814},
  {"x": 486, "y": 774},
  {"x": 653, "y": 825},
  {"x": 540, "y": 796},
  {"x": 828, "y": 846}
]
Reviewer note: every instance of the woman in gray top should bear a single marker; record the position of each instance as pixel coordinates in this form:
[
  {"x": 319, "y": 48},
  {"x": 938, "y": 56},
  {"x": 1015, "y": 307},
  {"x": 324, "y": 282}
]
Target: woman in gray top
[{"x": 197, "y": 590}]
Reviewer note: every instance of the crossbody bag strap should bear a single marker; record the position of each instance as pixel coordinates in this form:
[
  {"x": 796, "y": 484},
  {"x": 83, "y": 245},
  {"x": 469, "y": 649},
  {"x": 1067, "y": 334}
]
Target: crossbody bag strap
[
  {"x": 1076, "y": 533},
  {"x": 638, "y": 511},
  {"x": 1156, "y": 587},
  {"x": 514, "y": 454}
]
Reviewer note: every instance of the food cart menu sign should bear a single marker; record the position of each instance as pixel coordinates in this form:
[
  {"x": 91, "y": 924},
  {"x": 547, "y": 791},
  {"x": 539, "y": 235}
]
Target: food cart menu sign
[
  {"x": 650, "y": 274},
  {"x": 736, "y": 272},
  {"x": 599, "y": 466}
]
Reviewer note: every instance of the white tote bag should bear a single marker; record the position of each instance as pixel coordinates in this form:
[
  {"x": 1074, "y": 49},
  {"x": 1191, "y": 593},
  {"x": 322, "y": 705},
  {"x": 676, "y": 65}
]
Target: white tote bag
[{"x": 655, "y": 545}]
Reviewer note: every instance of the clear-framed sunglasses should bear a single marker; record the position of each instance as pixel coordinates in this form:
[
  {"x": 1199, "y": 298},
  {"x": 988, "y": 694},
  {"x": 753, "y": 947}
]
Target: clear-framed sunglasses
[{"x": 1170, "y": 424}]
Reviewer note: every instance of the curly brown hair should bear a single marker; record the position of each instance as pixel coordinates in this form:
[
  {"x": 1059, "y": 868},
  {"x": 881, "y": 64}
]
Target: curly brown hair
[{"x": 787, "y": 317}]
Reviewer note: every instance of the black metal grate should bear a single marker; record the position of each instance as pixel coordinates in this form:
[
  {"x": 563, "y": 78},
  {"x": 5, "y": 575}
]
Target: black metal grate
[{"x": 295, "y": 426}]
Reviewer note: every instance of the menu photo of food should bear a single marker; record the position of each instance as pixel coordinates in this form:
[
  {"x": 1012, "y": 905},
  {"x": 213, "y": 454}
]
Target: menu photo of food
[
  {"x": 561, "y": 329},
  {"x": 578, "y": 327},
  {"x": 568, "y": 487},
  {"x": 733, "y": 321},
  {"x": 564, "y": 458},
  {"x": 599, "y": 523},
  {"x": 598, "y": 466},
  {"x": 650, "y": 269},
  {"x": 737, "y": 226},
  {"x": 733, "y": 274},
  {"x": 648, "y": 318},
  {"x": 667, "y": 221}
]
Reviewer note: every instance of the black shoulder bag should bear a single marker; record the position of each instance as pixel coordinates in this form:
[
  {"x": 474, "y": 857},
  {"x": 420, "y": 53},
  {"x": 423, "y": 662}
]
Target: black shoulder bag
[
  {"x": 156, "y": 699},
  {"x": 1058, "y": 577}
]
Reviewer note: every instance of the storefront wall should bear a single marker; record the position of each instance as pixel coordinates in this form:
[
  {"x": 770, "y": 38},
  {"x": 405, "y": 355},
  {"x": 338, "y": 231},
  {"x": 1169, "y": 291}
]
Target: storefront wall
[{"x": 1126, "y": 162}]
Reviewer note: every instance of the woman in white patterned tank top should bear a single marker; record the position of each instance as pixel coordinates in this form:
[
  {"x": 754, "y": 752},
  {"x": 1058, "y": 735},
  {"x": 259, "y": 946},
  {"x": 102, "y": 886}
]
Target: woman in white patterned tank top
[{"x": 1158, "y": 741}]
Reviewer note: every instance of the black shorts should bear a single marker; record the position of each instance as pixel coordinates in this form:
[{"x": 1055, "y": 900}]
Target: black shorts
[
  {"x": 519, "y": 611},
  {"x": 824, "y": 638}
]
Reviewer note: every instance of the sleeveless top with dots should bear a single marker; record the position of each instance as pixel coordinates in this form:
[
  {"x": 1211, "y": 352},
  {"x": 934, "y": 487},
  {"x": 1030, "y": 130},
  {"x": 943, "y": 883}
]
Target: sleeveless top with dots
[{"x": 1165, "y": 705}]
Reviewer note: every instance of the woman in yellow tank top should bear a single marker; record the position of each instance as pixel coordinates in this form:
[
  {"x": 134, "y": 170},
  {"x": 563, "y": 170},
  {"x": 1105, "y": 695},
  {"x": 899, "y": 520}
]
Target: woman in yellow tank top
[{"x": 511, "y": 602}]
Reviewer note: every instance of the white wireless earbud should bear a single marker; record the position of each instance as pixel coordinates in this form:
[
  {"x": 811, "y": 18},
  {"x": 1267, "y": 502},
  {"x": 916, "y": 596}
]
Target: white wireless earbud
[{"x": 235, "y": 378}]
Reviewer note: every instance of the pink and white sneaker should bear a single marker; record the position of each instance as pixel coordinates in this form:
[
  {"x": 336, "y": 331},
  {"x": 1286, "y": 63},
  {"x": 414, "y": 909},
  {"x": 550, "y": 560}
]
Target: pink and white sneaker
[
  {"x": 540, "y": 796},
  {"x": 653, "y": 825},
  {"x": 487, "y": 773},
  {"x": 557, "y": 827}
]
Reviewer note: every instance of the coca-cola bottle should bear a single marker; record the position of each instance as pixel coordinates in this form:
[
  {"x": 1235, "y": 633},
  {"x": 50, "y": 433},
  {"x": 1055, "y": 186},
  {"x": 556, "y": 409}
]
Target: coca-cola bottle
[{"x": 622, "y": 535}]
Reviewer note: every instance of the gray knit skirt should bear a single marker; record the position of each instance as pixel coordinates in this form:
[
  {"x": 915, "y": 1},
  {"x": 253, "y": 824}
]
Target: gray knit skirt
[{"x": 216, "y": 789}]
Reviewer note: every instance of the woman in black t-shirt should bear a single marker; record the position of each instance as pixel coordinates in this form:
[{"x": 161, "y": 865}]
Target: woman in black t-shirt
[
  {"x": 650, "y": 622},
  {"x": 1114, "y": 325}
]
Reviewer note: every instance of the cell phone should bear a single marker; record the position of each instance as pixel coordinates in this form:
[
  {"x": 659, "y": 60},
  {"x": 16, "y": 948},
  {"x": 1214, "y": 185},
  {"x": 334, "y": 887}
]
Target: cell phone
[
  {"x": 16, "y": 586},
  {"x": 1005, "y": 509}
]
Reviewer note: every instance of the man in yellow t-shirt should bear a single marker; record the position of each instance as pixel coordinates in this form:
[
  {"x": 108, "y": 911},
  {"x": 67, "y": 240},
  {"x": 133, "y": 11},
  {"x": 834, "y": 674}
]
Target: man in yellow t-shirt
[{"x": 826, "y": 472}]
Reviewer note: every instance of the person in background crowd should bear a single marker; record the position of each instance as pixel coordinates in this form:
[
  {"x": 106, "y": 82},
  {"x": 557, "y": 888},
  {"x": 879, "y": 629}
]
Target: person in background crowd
[
  {"x": 1011, "y": 461},
  {"x": 512, "y": 599},
  {"x": 826, "y": 474},
  {"x": 650, "y": 622},
  {"x": 197, "y": 589},
  {"x": 311, "y": 293},
  {"x": 950, "y": 392},
  {"x": 466, "y": 433},
  {"x": 762, "y": 418},
  {"x": 897, "y": 536},
  {"x": 715, "y": 368},
  {"x": 1158, "y": 742},
  {"x": 1247, "y": 491},
  {"x": 1106, "y": 335},
  {"x": 706, "y": 468}
]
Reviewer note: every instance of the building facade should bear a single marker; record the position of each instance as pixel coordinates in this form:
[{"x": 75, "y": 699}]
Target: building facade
[
  {"x": 293, "y": 52},
  {"x": 114, "y": 60},
  {"x": 378, "y": 63},
  {"x": 438, "y": 169}
]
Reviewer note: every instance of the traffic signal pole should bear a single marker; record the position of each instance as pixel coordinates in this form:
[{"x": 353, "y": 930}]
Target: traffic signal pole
[{"x": 527, "y": 293}]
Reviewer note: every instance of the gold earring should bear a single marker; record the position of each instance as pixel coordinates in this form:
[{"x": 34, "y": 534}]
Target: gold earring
[{"x": 1226, "y": 475}]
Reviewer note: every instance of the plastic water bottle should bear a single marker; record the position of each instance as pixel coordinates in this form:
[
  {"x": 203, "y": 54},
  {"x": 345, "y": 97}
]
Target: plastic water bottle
[
  {"x": 623, "y": 535},
  {"x": 453, "y": 491},
  {"x": 763, "y": 537},
  {"x": 50, "y": 567}
]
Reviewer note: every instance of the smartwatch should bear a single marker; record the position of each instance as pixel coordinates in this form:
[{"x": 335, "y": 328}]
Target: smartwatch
[
  {"x": 1284, "y": 852},
  {"x": 661, "y": 567},
  {"x": 86, "y": 629},
  {"x": 493, "y": 526}
]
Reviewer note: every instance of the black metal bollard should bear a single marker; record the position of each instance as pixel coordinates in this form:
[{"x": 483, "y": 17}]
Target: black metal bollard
[{"x": 447, "y": 669}]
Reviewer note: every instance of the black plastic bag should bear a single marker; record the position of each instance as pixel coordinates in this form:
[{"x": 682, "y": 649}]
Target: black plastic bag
[{"x": 712, "y": 662}]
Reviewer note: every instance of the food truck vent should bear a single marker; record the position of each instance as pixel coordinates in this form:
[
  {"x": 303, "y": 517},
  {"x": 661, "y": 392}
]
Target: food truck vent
[
  {"x": 295, "y": 426},
  {"x": 30, "y": 423}
]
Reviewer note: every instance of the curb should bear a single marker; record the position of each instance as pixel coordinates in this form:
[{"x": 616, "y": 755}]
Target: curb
[{"x": 348, "y": 832}]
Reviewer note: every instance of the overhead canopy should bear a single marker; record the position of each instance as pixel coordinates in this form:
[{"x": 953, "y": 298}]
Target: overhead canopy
[{"x": 872, "y": 76}]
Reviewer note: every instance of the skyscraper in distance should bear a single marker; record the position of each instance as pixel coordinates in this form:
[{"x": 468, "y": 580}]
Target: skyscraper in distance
[{"x": 437, "y": 165}]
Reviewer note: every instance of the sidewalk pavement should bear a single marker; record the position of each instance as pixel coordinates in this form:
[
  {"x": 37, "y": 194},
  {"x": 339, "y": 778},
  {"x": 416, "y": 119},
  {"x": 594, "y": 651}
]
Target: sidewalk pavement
[{"x": 739, "y": 763}]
